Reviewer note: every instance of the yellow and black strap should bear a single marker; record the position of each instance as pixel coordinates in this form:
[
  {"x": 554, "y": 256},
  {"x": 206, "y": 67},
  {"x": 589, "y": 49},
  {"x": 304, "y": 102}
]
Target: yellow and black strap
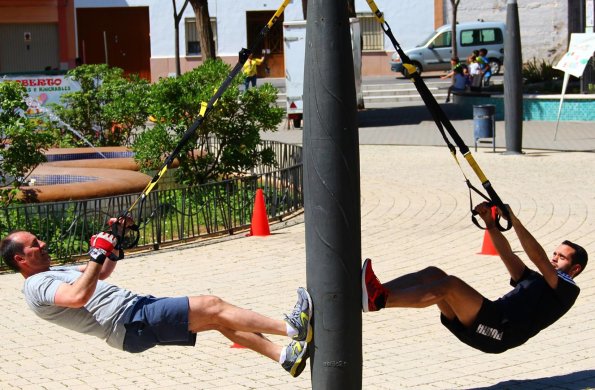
[
  {"x": 442, "y": 122},
  {"x": 205, "y": 109}
]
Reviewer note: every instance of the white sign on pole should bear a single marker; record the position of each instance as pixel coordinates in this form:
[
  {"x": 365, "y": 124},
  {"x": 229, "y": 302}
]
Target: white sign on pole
[{"x": 580, "y": 50}]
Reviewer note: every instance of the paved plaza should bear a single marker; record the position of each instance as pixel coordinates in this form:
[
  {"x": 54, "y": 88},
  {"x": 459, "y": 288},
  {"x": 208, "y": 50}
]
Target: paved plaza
[{"x": 415, "y": 213}]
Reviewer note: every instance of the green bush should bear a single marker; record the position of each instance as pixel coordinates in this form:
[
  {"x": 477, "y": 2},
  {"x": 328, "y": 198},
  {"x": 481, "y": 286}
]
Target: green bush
[
  {"x": 22, "y": 141},
  {"x": 235, "y": 122},
  {"x": 107, "y": 109},
  {"x": 536, "y": 72}
]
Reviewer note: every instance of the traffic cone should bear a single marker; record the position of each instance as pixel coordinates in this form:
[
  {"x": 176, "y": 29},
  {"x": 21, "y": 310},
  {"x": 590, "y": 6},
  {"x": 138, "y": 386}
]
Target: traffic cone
[
  {"x": 487, "y": 247},
  {"x": 260, "y": 221}
]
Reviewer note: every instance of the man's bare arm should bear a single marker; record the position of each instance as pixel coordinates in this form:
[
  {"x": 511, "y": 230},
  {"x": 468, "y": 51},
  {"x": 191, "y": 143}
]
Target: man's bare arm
[
  {"x": 106, "y": 270},
  {"x": 78, "y": 294},
  {"x": 513, "y": 263},
  {"x": 535, "y": 252}
]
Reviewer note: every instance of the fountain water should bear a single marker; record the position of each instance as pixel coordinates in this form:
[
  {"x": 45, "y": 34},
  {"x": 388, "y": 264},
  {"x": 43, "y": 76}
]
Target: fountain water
[{"x": 35, "y": 107}]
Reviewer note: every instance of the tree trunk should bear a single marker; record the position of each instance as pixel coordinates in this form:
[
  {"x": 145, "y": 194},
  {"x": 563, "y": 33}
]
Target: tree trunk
[
  {"x": 177, "y": 19},
  {"x": 203, "y": 26}
]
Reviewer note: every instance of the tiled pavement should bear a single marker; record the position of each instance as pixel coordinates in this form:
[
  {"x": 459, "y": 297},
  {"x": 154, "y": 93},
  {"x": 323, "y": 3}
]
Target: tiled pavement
[{"x": 414, "y": 209}]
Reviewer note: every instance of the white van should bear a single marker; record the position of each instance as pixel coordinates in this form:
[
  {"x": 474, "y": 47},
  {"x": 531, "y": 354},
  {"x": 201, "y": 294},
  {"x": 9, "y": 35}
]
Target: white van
[{"x": 434, "y": 53}]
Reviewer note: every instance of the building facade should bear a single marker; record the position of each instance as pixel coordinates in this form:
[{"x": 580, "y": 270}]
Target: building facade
[
  {"x": 545, "y": 26},
  {"x": 36, "y": 35},
  {"x": 236, "y": 23},
  {"x": 139, "y": 35}
]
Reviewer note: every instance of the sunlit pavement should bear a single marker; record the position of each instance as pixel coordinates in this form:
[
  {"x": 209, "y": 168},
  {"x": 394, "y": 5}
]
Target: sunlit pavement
[{"x": 415, "y": 213}]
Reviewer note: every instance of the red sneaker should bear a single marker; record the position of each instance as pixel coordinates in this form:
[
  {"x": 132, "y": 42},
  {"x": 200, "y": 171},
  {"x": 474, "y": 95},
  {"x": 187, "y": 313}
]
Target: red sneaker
[{"x": 374, "y": 294}]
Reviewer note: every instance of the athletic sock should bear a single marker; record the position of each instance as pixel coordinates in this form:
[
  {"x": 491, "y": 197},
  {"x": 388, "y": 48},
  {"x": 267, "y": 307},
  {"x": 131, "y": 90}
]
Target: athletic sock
[
  {"x": 291, "y": 331},
  {"x": 283, "y": 355}
]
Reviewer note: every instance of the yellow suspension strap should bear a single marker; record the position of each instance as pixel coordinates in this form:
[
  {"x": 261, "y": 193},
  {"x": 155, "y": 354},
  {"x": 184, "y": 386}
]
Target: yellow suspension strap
[
  {"x": 130, "y": 239},
  {"x": 442, "y": 122}
]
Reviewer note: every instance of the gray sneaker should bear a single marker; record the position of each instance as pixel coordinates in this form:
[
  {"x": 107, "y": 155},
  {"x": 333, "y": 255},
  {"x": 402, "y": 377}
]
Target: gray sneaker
[
  {"x": 301, "y": 315},
  {"x": 296, "y": 356}
]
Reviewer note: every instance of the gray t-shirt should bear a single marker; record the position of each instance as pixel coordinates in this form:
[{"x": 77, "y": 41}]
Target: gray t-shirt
[{"x": 103, "y": 315}]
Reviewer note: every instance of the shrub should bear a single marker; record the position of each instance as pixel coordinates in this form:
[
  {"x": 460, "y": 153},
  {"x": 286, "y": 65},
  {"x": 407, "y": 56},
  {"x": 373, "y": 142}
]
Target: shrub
[
  {"x": 535, "y": 72},
  {"x": 22, "y": 141},
  {"x": 235, "y": 122},
  {"x": 107, "y": 109}
]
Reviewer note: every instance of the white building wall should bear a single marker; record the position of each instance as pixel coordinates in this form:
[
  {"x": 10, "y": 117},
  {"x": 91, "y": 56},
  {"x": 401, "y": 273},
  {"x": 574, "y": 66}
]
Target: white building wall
[
  {"x": 161, "y": 20},
  {"x": 230, "y": 14},
  {"x": 543, "y": 24},
  {"x": 410, "y": 21},
  {"x": 231, "y": 24}
]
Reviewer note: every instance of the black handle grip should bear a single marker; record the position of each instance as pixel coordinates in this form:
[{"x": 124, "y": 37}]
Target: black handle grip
[
  {"x": 497, "y": 219},
  {"x": 127, "y": 235}
]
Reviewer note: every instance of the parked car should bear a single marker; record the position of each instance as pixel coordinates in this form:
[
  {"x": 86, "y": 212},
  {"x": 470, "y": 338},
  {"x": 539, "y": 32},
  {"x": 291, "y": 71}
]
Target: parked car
[{"x": 434, "y": 53}]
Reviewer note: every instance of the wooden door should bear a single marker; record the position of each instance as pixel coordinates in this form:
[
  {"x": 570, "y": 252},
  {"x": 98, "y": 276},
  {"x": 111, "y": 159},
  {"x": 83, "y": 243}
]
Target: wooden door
[
  {"x": 117, "y": 36},
  {"x": 273, "y": 41}
]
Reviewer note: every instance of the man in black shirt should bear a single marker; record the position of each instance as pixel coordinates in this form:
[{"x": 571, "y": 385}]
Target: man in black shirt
[{"x": 537, "y": 300}]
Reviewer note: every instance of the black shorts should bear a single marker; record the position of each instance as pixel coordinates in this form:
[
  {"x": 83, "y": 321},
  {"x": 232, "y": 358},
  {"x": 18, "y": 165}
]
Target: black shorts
[
  {"x": 491, "y": 332},
  {"x": 158, "y": 321}
]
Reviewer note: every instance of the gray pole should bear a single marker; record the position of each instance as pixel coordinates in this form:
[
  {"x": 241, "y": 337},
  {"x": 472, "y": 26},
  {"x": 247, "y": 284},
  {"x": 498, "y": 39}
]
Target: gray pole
[
  {"x": 332, "y": 198},
  {"x": 513, "y": 81}
]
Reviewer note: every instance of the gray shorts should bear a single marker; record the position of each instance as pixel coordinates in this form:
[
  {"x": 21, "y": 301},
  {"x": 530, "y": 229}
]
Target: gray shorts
[{"x": 158, "y": 321}]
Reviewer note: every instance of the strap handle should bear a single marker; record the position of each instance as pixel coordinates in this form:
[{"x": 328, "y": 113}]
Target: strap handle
[
  {"x": 442, "y": 122},
  {"x": 490, "y": 203},
  {"x": 205, "y": 109}
]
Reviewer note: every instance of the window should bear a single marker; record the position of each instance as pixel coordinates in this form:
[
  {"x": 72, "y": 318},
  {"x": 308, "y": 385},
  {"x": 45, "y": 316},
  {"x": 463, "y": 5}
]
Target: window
[
  {"x": 491, "y": 36},
  {"x": 192, "y": 38},
  {"x": 442, "y": 40},
  {"x": 484, "y": 36},
  {"x": 469, "y": 37},
  {"x": 372, "y": 34}
]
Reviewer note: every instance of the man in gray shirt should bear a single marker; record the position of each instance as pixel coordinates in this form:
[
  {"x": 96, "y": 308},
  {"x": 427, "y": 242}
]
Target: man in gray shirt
[{"x": 78, "y": 298}]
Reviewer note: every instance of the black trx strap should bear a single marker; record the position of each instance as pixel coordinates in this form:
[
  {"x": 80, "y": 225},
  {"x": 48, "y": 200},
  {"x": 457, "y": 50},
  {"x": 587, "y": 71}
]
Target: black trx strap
[
  {"x": 129, "y": 235},
  {"x": 443, "y": 122}
]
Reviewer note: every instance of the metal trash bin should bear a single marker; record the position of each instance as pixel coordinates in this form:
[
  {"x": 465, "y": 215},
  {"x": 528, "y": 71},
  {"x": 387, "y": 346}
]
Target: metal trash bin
[{"x": 484, "y": 123}]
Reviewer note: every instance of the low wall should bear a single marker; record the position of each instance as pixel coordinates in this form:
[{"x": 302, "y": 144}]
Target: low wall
[
  {"x": 82, "y": 173},
  {"x": 535, "y": 107}
]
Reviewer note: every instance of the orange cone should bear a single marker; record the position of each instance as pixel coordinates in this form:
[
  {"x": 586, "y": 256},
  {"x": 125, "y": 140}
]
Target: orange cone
[
  {"x": 487, "y": 247},
  {"x": 260, "y": 221}
]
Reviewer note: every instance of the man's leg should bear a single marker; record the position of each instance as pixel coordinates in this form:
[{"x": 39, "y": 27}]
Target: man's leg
[
  {"x": 454, "y": 298},
  {"x": 245, "y": 327},
  {"x": 292, "y": 357},
  {"x": 430, "y": 286},
  {"x": 254, "y": 341},
  {"x": 210, "y": 312},
  {"x": 486, "y": 78}
]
